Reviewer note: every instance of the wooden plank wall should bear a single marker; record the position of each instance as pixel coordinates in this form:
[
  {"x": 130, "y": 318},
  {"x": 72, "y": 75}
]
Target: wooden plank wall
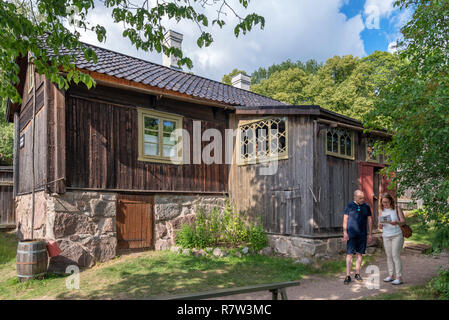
[
  {"x": 7, "y": 216},
  {"x": 269, "y": 196},
  {"x": 25, "y": 129},
  {"x": 102, "y": 144},
  {"x": 336, "y": 180}
]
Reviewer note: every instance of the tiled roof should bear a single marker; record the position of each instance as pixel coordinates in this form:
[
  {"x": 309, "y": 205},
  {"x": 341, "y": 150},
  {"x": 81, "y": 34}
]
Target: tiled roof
[{"x": 134, "y": 69}]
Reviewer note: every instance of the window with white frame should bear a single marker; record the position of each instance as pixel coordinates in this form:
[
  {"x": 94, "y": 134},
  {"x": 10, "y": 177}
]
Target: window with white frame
[
  {"x": 340, "y": 143},
  {"x": 263, "y": 140},
  {"x": 157, "y": 139}
]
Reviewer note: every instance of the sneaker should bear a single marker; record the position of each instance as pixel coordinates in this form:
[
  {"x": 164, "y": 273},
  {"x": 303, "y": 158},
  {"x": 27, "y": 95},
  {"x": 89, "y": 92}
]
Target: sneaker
[
  {"x": 388, "y": 279},
  {"x": 347, "y": 280},
  {"x": 358, "y": 277},
  {"x": 396, "y": 282}
]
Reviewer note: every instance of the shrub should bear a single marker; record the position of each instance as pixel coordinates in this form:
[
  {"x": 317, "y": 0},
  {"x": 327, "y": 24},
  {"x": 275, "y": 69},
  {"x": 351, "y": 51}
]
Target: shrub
[
  {"x": 227, "y": 228},
  {"x": 440, "y": 285},
  {"x": 257, "y": 237}
]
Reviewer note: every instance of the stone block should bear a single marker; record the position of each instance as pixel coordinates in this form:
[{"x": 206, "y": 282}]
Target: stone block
[
  {"x": 102, "y": 208},
  {"x": 72, "y": 253},
  {"x": 104, "y": 248},
  {"x": 66, "y": 224},
  {"x": 166, "y": 211}
]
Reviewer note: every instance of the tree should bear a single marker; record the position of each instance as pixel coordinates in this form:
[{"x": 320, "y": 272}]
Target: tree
[
  {"x": 22, "y": 32},
  {"x": 6, "y": 137},
  {"x": 227, "y": 78},
  {"x": 350, "y": 85},
  {"x": 286, "y": 85},
  {"x": 310, "y": 67},
  {"x": 415, "y": 106}
]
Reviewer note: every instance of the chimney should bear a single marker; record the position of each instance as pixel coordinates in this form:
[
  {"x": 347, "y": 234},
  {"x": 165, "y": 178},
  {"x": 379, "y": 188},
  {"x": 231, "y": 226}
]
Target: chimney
[
  {"x": 172, "y": 39},
  {"x": 241, "y": 81}
]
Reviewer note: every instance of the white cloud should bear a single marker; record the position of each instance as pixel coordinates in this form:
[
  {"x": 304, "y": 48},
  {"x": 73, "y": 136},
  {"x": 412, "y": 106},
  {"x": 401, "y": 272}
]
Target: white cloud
[{"x": 294, "y": 29}]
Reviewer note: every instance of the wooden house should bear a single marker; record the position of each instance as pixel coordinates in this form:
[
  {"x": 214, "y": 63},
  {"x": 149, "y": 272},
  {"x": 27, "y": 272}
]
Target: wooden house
[{"x": 104, "y": 173}]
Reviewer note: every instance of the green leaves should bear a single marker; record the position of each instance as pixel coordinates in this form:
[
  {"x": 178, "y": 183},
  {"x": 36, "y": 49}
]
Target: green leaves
[
  {"x": 415, "y": 105},
  {"x": 52, "y": 28}
]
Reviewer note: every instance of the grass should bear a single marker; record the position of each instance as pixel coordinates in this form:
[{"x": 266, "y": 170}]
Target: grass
[
  {"x": 421, "y": 233},
  {"x": 422, "y": 292},
  {"x": 156, "y": 273}
]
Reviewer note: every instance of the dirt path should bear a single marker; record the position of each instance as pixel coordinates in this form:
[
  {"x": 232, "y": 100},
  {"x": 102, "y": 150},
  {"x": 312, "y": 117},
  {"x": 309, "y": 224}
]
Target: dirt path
[{"x": 417, "y": 270}]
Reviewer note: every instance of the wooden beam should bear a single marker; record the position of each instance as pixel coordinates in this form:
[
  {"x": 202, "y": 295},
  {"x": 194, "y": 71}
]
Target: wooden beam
[
  {"x": 16, "y": 154},
  {"x": 344, "y": 125},
  {"x": 59, "y": 139},
  {"x": 299, "y": 110}
]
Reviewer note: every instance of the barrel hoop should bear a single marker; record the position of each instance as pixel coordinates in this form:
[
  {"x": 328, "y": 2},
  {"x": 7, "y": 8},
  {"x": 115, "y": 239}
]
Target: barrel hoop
[
  {"x": 34, "y": 275},
  {"x": 26, "y": 262},
  {"x": 36, "y": 251}
]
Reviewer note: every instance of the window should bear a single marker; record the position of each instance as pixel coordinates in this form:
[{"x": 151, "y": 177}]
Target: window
[
  {"x": 340, "y": 143},
  {"x": 263, "y": 140},
  {"x": 156, "y": 142},
  {"x": 371, "y": 155}
]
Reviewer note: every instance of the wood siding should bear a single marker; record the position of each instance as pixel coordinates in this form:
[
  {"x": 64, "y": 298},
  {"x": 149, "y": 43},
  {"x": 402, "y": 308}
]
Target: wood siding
[
  {"x": 283, "y": 200},
  {"x": 7, "y": 215},
  {"x": 102, "y": 144}
]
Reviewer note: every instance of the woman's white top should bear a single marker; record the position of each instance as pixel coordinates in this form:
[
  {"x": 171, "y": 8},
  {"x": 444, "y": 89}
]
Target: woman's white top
[{"x": 389, "y": 230}]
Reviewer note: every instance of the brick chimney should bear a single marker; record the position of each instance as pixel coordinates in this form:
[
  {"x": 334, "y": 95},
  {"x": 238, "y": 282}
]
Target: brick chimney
[
  {"x": 241, "y": 81},
  {"x": 172, "y": 39}
]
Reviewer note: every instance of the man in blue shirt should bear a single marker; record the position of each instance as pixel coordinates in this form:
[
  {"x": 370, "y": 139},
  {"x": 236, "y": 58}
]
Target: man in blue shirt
[{"x": 357, "y": 229}]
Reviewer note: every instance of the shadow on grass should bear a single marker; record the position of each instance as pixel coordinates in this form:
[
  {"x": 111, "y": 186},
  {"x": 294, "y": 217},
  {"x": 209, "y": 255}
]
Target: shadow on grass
[{"x": 169, "y": 273}]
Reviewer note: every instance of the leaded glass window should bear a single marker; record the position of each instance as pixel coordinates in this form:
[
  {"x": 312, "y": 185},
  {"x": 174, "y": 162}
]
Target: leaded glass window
[{"x": 263, "y": 140}]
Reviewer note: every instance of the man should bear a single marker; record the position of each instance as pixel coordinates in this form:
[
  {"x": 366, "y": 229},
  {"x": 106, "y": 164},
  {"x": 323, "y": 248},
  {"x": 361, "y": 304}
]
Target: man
[{"x": 357, "y": 229}]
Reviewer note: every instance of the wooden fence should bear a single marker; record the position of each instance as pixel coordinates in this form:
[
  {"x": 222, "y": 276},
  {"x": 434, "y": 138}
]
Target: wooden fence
[{"x": 7, "y": 214}]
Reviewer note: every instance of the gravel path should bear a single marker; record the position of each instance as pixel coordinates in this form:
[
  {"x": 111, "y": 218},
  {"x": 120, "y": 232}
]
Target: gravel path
[{"x": 417, "y": 269}]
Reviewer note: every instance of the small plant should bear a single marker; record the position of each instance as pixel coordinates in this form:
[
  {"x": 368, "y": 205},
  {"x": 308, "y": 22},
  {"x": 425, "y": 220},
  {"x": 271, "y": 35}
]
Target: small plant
[
  {"x": 257, "y": 237},
  {"x": 227, "y": 228}
]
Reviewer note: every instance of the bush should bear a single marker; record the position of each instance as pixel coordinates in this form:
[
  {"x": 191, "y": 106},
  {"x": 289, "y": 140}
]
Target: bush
[
  {"x": 221, "y": 229},
  {"x": 440, "y": 285}
]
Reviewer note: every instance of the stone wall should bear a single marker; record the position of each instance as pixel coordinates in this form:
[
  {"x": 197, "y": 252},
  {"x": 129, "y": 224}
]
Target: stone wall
[
  {"x": 82, "y": 223},
  {"x": 172, "y": 211},
  {"x": 299, "y": 247}
]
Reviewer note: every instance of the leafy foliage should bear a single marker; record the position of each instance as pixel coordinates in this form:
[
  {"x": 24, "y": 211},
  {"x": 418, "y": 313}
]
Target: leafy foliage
[
  {"x": 6, "y": 136},
  {"x": 309, "y": 67},
  {"x": 439, "y": 285},
  {"x": 348, "y": 85},
  {"x": 415, "y": 105},
  {"x": 215, "y": 228},
  {"x": 41, "y": 28}
]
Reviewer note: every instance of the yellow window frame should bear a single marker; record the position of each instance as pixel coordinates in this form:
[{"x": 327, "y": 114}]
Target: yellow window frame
[
  {"x": 257, "y": 159},
  {"x": 367, "y": 156},
  {"x": 338, "y": 154},
  {"x": 161, "y": 116}
]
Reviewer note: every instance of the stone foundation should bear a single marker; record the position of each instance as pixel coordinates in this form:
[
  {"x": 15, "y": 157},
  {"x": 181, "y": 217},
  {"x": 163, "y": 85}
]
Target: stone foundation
[
  {"x": 82, "y": 223},
  {"x": 299, "y": 247},
  {"x": 172, "y": 211}
]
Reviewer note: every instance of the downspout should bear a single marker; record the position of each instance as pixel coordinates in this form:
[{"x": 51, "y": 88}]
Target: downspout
[{"x": 33, "y": 182}]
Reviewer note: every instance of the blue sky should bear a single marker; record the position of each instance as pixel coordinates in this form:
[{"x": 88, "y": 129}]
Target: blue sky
[{"x": 295, "y": 29}]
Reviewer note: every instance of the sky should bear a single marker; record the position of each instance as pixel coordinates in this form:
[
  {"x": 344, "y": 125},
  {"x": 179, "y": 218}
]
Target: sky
[{"x": 294, "y": 29}]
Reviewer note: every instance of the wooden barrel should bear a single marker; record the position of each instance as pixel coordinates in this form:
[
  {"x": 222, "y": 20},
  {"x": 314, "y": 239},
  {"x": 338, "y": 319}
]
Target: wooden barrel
[{"x": 32, "y": 259}]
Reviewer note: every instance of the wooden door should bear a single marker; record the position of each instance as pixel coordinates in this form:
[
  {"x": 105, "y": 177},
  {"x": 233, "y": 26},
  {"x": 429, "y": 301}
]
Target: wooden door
[
  {"x": 135, "y": 216},
  {"x": 286, "y": 212}
]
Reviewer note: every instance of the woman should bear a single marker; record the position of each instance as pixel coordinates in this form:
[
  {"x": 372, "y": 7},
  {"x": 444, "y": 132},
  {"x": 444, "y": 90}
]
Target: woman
[{"x": 392, "y": 237}]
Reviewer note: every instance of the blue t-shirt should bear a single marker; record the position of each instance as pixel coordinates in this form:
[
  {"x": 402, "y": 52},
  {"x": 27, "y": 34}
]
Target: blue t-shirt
[{"x": 358, "y": 219}]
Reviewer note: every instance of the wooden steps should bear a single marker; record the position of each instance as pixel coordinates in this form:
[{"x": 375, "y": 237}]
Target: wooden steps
[{"x": 419, "y": 248}]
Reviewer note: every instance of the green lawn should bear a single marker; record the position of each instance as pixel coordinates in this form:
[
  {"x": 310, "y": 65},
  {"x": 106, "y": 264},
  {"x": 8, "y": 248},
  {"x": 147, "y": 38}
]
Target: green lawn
[
  {"x": 154, "y": 273},
  {"x": 421, "y": 234},
  {"x": 422, "y": 292}
]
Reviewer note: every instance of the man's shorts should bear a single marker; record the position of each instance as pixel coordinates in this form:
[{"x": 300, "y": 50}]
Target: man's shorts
[{"x": 356, "y": 244}]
